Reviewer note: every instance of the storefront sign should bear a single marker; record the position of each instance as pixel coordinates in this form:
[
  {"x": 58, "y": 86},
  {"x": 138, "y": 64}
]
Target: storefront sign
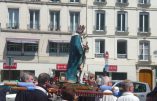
[
  {"x": 6, "y": 66},
  {"x": 61, "y": 66},
  {"x": 112, "y": 68}
]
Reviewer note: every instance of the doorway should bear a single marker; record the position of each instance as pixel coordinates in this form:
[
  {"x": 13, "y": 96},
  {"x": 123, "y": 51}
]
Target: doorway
[{"x": 145, "y": 75}]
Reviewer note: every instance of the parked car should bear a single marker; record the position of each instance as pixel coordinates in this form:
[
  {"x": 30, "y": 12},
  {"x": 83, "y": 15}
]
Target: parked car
[{"x": 141, "y": 89}]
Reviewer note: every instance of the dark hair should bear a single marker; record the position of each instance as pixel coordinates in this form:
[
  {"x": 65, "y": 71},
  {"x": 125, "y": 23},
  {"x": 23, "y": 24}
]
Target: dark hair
[{"x": 42, "y": 78}]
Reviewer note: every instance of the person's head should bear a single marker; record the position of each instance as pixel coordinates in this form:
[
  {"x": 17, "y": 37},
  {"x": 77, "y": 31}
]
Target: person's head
[
  {"x": 106, "y": 80},
  {"x": 80, "y": 29},
  {"x": 128, "y": 86},
  {"x": 27, "y": 77},
  {"x": 43, "y": 79},
  {"x": 35, "y": 80}
]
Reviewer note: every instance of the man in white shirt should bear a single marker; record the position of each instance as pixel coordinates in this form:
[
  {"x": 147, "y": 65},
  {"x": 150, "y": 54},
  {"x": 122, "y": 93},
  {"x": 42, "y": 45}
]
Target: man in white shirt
[{"x": 128, "y": 89}]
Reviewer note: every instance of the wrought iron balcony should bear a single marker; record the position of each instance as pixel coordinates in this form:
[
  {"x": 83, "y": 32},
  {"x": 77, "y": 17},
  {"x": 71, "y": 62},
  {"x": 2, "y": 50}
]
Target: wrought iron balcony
[
  {"x": 33, "y": 27},
  {"x": 12, "y": 25},
  {"x": 144, "y": 31},
  {"x": 100, "y": 3},
  {"x": 142, "y": 3},
  {"x": 122, "y": 30},
  {"x": 144, "y": 59},
  {"x": 55, "y": 1},
  {"x": 122, "y": 4},
  {"x": 100, "y": 29},
  {"x": 72, "y": 28},
  {"x": 53, "y": 27},
  {"x": 122, "y": 56}
]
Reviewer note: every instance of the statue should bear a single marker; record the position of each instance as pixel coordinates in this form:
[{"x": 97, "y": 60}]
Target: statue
[{"x": 76, "y": 55}]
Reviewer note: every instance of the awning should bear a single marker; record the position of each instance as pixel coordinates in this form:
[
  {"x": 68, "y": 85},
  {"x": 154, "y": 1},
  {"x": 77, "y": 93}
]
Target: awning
[
  {"x": 22, "y": 40},
  {"x": 59, "y": 41}
]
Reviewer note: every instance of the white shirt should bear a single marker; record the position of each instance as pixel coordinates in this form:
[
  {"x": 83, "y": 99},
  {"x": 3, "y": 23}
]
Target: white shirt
[{"x": 128, "y": 96}]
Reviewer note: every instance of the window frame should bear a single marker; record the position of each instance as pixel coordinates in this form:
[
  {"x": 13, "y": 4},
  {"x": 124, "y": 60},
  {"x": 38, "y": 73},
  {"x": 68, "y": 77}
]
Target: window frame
[
  {"x": 54, "y": 21},
  {"x": 99, "y": 24},
  {"x": 99, "y": 54},
  {"x": 123, "y": 26},
  {"x": 144, "y": 51},
  {"x": 122, "y": 55},
  {"x": 21, "y": 51},
  {"x": 60, "y": 49},
  {"x": 34, "y": 19},
  {"x": 13, "y": 18},
  {"x": 74, "y": 21},
  {"x": 142, "y": 25}
]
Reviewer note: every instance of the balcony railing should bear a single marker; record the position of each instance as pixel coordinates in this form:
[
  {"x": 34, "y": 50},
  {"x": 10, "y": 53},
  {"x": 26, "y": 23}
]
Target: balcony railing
[
  {"x": 12, "y": 25},
  {"x": 99, "y": 55},
  {"x": 100, "y": 28},
  {"x": 142, "y": 31},
  {"x": 55, "y": 1},
  {"x": 144, "y": 58},
  {"x": 122, "y": 3},
  {"x": 33, "y": 27},
  {"x": 53, "y": 27},
  {"x": 122, "y": 56},
  {"x": 72, "y": 28},
  {"x": 100, "y": 3},
  {"x": 141, "y": 3},
  {"x": 122, "y": 29}
]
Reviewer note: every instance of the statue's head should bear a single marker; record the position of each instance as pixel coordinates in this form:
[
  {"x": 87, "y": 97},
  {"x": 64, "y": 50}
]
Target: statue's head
[{"x": 80, "y": 29}]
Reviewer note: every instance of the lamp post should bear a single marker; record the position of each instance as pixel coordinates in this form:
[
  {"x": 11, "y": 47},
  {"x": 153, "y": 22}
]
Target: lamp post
[{"x": 10, "y": 62}]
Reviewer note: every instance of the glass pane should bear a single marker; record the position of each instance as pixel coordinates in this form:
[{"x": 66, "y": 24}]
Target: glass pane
[
  {"x": 97, "y": 21},
  {"x": 121, "y": 47},
  {"x": 119, "y": 22},
  {"x": 30, "y": 47},
  {"x": 146, "y": 23},
  {"x": 123, "y": 22},
  {"x": 102, "y": 46},
  {"x": 141, "y": 23},
  {"x": 97, "y": 47},
  {"x": 102, "y": 22}
]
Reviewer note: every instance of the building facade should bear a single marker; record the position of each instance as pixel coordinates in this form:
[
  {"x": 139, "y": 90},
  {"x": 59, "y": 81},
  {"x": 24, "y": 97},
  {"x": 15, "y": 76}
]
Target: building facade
[
  {"x": 36, "y": 34},
  {"x": 125, "y": 29}
]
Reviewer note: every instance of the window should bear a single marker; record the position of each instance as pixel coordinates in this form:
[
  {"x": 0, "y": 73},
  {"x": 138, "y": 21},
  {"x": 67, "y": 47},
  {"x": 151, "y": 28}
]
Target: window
[
  {"x": 74, "y": 1},
  {"x": 122, "y": 1},
  {"x": 13, "y": 18},
  {"x": 100, "y": 21},
  {"x": 99, "y": 48},
  {"x": 74, "y": 21},
  {"x": 54, "y": 21},
  {"x": 59, "y": 48},
  {"x": 34, "y": 19},
  {"x": 144, "y": 22},
  {"x": 144, "y": 50},
  {"x": 144, "y": 1},
  {"x": 14, "y": 48},
  {"x": 30, "y": 47},
  {"x": 121, "y": 49},
  {"x": 122, "y": 24}
]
